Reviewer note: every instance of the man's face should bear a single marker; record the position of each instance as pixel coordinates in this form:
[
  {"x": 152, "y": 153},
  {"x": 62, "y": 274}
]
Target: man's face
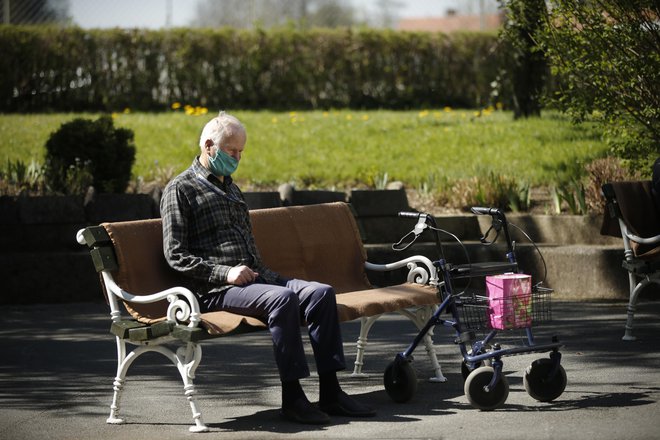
[{"x": 235, "y": 145}]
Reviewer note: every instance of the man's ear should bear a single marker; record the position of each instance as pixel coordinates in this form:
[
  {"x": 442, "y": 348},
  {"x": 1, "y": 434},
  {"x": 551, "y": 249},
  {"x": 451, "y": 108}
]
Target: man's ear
[{"x": 208, "y": 144}]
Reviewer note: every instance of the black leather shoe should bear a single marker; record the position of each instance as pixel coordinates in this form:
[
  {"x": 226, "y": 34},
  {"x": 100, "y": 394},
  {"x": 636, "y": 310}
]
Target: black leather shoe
[
  {"x": 302, "y": 411},
  {"x": 347, "y": 406}
]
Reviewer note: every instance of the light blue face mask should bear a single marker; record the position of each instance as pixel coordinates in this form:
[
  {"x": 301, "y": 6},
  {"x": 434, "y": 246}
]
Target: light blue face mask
[{"x": 222, "y": 164}]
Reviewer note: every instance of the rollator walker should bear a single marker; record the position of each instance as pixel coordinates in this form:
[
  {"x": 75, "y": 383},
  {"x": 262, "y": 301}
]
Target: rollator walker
[{"x": 486, "y": 387}]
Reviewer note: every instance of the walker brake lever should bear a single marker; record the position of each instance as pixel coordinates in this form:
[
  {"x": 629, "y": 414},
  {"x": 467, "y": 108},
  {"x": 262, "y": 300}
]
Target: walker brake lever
[
  {"x": 398, "y": 247},
  {"x": 497, "y": 225},
  {"x": 416, "y": 232}
]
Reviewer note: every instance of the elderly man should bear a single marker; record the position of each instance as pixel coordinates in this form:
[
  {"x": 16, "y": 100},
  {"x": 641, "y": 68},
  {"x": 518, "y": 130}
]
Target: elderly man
[{"x": 207, "y": 236}]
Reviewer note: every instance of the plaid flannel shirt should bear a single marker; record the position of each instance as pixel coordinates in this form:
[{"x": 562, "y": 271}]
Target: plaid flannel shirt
[{"x": 207, "y": 230}]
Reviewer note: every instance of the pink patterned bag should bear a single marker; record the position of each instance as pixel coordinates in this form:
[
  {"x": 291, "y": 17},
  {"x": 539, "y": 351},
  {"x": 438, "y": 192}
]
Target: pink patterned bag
[{"x": 510, "y": 300}]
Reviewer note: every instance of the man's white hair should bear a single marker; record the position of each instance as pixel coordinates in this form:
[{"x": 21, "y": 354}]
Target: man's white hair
[{"x": 220, "y": 128}]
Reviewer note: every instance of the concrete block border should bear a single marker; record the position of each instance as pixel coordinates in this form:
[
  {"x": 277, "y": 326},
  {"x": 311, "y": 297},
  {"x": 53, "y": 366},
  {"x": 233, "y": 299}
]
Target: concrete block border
[{"x": 37, "y": 246}]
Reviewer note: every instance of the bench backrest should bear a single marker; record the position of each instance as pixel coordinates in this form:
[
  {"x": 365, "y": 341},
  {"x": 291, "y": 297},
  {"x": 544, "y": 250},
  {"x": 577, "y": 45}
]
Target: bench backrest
[{"x": 314, "y": 242}]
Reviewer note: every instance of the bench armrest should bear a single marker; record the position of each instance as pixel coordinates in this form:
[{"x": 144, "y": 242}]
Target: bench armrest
[
  {"x": 416, "y": 274},
  {"x": 643, "y": 240},
  {"x": 183, "y": 307}
]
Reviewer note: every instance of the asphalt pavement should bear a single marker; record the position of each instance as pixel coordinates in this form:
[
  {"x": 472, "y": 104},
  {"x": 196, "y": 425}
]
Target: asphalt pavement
[{"x": 59, "y": 361}]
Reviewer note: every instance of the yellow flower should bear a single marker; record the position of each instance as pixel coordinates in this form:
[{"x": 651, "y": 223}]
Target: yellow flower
[
  {"x": 499, "y": 106},
  {"x": 365, "y": 117},
  {"x": 114, "y": 115},
  {"x": 127, "y": 110},
  {"x": 176, "y": 105},
  {"x": 274, "y": 120},
  {"x": 349, "y": 117},
  {"x": 447, "y": 109},
  {"x": 423, "y": 114},
  {"x": 200, "y": 111},
  {"x": 325, "y": 114}
]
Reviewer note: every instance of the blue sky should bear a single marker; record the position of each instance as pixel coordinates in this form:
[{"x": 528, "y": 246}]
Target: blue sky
[{"x": 152, "y": 13}]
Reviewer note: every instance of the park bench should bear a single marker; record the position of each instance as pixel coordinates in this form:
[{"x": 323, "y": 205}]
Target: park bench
[
  {"x": 314, "y": 242},
  {"x": 633, "y": 214}
]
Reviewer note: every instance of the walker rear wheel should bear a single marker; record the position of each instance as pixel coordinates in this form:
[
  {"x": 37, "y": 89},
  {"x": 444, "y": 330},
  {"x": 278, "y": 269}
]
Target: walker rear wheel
[
  {"x": 475, "y": 389},
  {"x": 540, "y": 385},
  {"x": 400, "y": 380}
]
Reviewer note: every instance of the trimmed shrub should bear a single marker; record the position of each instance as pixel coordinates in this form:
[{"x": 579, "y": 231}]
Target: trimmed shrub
[{"x": 82, "y": 150}]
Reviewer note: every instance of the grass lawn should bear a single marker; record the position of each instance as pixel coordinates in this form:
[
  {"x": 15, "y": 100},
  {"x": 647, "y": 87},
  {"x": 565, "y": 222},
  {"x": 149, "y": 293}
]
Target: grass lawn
[{"x": 344, "y": 148}]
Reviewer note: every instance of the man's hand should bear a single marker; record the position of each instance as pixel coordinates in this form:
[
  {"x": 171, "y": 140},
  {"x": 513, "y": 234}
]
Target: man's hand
[{"x": 241, "y": 275}]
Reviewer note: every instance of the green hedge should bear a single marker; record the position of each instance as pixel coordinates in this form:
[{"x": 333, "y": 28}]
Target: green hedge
[{"x": 71, "y": 69}]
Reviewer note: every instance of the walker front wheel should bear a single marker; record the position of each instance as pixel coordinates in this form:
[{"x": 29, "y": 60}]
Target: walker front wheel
[
  {"x": 541, "y": 384},
  {"x": 465, "y": 368},
  {"x": 400, "y": 380},
  {"x": 478, "y": 396}
]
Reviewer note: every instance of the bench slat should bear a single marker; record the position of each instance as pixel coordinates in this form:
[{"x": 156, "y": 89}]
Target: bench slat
[
  {"x": 149, "y": 332},
  {"x": 121, "y": 328}
]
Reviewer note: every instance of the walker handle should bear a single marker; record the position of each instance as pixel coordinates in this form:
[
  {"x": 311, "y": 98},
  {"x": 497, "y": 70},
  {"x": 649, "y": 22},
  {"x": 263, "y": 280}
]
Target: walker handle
[
  {"x": 498, "y": 223},
  {"x": 485, "y": 211}
]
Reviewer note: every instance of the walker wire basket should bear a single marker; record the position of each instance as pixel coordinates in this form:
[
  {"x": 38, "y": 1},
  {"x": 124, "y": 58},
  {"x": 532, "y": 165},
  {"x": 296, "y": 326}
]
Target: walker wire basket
[{"x": 479, "y": 312}]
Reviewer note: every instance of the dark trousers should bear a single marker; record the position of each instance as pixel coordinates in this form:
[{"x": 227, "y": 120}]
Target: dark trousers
[{"x": 284, "y": 308}]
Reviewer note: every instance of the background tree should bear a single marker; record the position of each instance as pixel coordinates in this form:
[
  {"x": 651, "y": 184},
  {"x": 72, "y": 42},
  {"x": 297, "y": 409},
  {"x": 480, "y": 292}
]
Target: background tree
[
  {"x": 332, "y": 14},
  {"x": 246, "y": 13},
  {"x": 269, "y": 13},
  {"x": 606, "y": 56},
  {"x": 388, "y": 12},
  {"x": 528, "y": 69},
  {"x": 34, "y": 11}
]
